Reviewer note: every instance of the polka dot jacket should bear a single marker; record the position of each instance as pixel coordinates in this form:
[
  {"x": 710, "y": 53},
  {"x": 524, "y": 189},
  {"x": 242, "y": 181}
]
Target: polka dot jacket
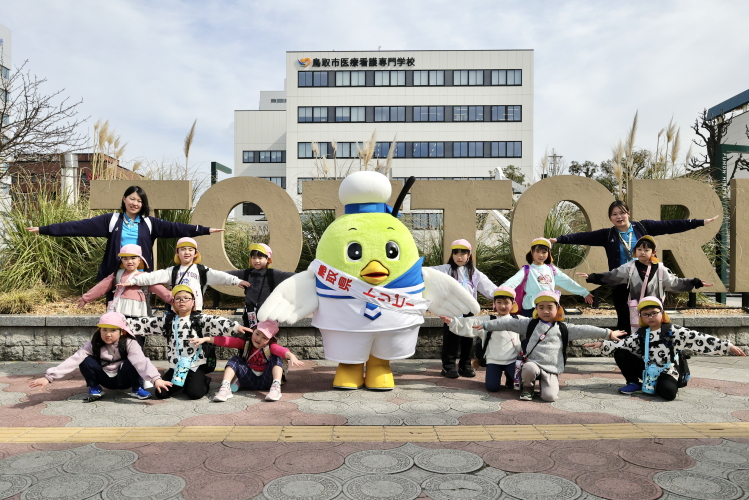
[
  {"x": 213, "y": 326},
  {"x": 684, "y": 339}
]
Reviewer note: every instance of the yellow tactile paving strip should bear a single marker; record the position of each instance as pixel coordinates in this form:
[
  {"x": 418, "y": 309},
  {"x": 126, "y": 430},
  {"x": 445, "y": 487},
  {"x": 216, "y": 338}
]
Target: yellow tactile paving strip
[{"x": 343, "y": 433}]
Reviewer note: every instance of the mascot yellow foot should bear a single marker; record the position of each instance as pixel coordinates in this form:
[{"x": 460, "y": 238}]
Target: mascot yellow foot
[
  {"x": 349, "y": 376},
  {"x": 379, "y": 376}
]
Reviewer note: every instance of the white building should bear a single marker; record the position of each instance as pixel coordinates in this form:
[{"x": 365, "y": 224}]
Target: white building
[
  {"x": 454, "y": 114},
  {"x": 737, "y": 107}
]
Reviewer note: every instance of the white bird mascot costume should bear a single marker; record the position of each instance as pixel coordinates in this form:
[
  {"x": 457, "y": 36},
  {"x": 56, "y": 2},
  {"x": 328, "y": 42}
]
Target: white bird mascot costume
[{"x": 367, "y": 287}]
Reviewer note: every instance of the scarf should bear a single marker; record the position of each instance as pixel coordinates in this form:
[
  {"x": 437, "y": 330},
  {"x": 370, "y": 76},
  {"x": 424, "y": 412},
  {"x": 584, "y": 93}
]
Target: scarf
[{"x": 395, "y": 296}]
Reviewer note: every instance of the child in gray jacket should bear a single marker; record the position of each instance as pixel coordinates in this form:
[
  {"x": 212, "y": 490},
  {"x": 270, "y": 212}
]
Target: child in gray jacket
[{"x": 545, "y": 351}]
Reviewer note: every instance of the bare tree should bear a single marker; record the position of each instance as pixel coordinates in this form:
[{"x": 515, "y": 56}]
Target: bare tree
[
  {"x": 710, "y": 132},
  {"x": 741, "y": 164},
  {"x": 33, "y": 123}
]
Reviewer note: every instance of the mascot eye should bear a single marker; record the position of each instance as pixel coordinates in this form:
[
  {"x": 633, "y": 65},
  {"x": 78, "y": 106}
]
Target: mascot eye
[
  {"x": 354, "y": 251},
  {"x": 392, "y": 251}
]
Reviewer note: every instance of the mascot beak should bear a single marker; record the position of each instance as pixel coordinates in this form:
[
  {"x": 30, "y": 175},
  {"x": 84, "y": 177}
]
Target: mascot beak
[{"x": 374, "y": 273}]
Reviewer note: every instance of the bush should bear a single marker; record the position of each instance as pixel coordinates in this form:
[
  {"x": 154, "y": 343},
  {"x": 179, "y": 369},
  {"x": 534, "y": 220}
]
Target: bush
[{"x": 24, "y": 301}]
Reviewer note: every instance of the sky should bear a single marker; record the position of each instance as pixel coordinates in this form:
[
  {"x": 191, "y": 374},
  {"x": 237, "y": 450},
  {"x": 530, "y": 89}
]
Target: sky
[{"x": 152, "y": 68}]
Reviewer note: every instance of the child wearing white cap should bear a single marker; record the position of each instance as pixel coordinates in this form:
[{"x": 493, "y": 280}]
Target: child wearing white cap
[
  {"x": 460, "y": 266},
  {"x": 501, "y": 348},
  {"x": 187, "y": 271}
]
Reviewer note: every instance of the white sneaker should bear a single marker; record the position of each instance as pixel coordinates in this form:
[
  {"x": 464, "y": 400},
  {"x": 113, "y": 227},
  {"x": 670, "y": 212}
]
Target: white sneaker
[
  {"x": 274, "y": 394},
  {"x": 224, "y": 393}
]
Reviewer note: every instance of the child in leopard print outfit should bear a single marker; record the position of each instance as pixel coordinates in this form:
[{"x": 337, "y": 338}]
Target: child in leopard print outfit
[{"x": 665, "y": 340}]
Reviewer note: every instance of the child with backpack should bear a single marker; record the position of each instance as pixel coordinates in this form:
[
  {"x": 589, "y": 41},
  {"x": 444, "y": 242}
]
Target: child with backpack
[
  {"x": 547, "y": 336},
  {"x": 460, "y": 266},
  {"x": 130, "y": 301},
  {"x": 262, "y": 365},
  {"x": 262, "y": 279},
  {"x": 188, "y": 366},
  {"x": 497, "y": 351},
  {"x": 540, "y": 275},
  {"x": 187, "y": 271},
  {"x": 112, "y": 358},
  {"x": 644, "y": 276},
  {"x": 665, "y": 370}
]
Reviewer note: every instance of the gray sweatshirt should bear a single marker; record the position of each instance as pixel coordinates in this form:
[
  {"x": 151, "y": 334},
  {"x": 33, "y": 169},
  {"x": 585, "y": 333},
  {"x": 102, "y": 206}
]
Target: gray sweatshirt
[
  {"x": 627, "y": 274},
  {"x": 546, "y": 353}
]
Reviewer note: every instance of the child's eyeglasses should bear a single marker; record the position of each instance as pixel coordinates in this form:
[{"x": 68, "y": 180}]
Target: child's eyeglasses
[
  {"x": 183, "y": 299},
  {"x": 650, "y": 315}
]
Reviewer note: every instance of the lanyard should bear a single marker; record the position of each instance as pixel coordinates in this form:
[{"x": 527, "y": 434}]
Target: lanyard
[{"x": 628, "y": 246}]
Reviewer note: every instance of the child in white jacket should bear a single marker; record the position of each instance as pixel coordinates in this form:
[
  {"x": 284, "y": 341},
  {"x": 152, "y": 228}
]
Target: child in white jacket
[
  {"x": 501, "y": 347},
  {"x": 188, "y": 271}
]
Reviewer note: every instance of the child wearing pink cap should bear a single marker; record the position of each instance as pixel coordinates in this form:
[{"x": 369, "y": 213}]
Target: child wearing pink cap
[
  {"x": 501, "y": 348},
  {"x": 187, "y": 271},
  {"x": 130, "y": 301},
  {"x": 460, "y": 266},
  {"x": 262, "y": 279},
  {"x": 262, "y": 366},
  {"x": 540, "y": 275},
  {"x": 112, "y": 358}
]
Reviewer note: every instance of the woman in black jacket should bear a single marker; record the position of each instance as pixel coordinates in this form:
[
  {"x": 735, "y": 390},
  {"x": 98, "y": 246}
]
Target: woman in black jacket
[
  {"x": 131, "y": 225},
  {"x": 619, "y": 241}
]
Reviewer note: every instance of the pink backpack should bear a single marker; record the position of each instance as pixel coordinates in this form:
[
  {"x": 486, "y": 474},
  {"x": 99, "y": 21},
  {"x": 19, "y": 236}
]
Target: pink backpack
[{"x": 520, "y": 289}]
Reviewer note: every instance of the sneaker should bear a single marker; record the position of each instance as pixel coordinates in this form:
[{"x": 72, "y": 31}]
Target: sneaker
[
  {"x": 224, "y": 393},
  {"x": 526, "y": 395},
  {"x": 466, "y": 371},
  {"x": 631, "y": 388},
  {"x": 451, "y": 373},
  {"x": 274, "y": 394},
  {"x": 95, "y": 393},
  {"x": 141, "y": 393}
]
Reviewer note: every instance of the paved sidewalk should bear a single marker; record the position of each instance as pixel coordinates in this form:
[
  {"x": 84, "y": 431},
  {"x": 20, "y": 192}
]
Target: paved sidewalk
[{"x": 429, "y": 438}]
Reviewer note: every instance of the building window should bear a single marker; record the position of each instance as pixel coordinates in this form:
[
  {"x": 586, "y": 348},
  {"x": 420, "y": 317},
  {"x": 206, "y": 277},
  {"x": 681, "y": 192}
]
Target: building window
[
  {"x": 429, "y": 113},
  {"x": 279, "y": 101},
  {"x": 343, "y": 114},
  {"x": 279, "y": 181},
  {"x": 248, "y": 157},
  {"x": 468, "y": 113},
  {"x": 251, "y": 209},
  {"x": 4, "y": 72},
  {"x": 468, "y": 149},
  {"x": 389, "y": 78},
  {"x": 507, "y": 77},
  {"x": 504, "y": 149},
  {"x": 313, "y": 114},
  {"x": 382, "y": 149},
  {"x": 428, "y": 149},
  {"x": 390, "y": 113},
  {"x": 271, "y": 156},
  {"x": 4, "y": 95},
  {"x": 506, "y": 113},
  {"x": 349, "y": 78},
  {"x": 429, "y": 78},
  {"x": 423, "y": 221},
  {"x": 468, "y": 77},
  {"x": 348, "y": 149},
  {"x": 313, "y": 79},
  {"x": 305, "y": 150}
]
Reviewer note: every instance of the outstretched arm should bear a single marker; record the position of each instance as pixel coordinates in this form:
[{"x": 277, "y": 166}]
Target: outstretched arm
[{"x": 293, "y": 299}]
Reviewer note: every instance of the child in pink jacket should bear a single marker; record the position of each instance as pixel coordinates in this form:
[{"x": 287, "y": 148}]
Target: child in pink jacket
[{"x": 112, "y": 358}]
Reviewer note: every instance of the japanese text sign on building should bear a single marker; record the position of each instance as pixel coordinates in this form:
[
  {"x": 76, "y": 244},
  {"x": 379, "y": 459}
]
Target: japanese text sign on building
[{"x": 357, "y": 62}]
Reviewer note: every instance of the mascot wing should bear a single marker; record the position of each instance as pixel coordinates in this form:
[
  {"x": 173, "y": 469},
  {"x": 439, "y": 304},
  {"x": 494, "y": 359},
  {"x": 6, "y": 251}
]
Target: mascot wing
[
  {"x": 447, "y": 296},
  {"x": 294, "y": 298}
]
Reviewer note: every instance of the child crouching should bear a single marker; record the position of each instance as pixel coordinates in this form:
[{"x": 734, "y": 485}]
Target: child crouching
[
  {"x": 112, "y": 358},
  {"x": 547, "y": 337},
  {"x": 501, "y": 348},
  {"x": 665, "y": 342},
  {"x": 262, "y": 366}
]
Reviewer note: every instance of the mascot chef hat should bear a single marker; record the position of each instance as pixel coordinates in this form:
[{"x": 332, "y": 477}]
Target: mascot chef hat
[{"x": 365, "y": 192}]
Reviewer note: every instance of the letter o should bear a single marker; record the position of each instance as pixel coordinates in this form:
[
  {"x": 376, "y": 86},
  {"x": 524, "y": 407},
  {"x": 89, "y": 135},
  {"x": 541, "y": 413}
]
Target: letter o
[
  {"x": 535, "y": 204},
  {"x": 283, "y": 219}
]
